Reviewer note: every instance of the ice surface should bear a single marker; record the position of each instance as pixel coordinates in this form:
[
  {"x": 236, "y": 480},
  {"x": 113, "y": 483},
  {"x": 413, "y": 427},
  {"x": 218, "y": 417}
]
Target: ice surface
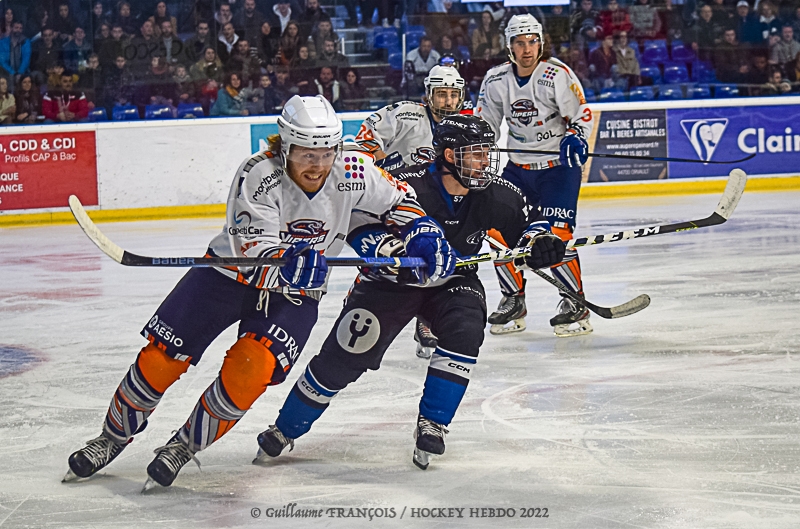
[{"x": 684, "y": 415}]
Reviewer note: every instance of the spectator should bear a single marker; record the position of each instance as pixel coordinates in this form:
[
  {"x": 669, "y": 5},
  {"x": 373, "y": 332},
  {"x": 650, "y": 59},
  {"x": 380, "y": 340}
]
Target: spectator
[
  {"x": 284, "y": 89},
  {"x": 268, "y": 45},
  {"x": 677, "y": 16},
  {"x": 730, "y": 59},
  {"x": 6, "y": 23},
  {"x": 768, "y": 20},
  {"x": 793, "y": 73},
  {"x": 97, "y": 19},
  {"x": 254, "y": 97},
  {"x": 645, "y": 20},
  {"x": 757, "y": 74},
  {"x": 142, "y": 48},
  {"x": 228, "y": 39},
  {"x": 8, "y": 105},
  {"x": 585, "y": 22},
  {"x": 749, "y": 27},
  {"x": 703, "y": 34},
  {"x": 118, "y": 85},
  {"x": 112, "y": 48},
  {"x": 245, "y": 62},
  {"x": 77, "y": 50},
  {"x": 281, "y": 16},
  {"x": 323, "y": 31},
  {"x": 722, "y": 13},
  {"x": 311, "y": 18},
  {"x": 90, "y": 80},
  {"x": 423, "y": 58},
  {"x": 160, "y": 16},
  {"x": 557, "y": 25},
  {"x": 248, "y": 21},
  {"x": 15, "y": 54},
  {"x": 223, "y": 16},
  {"x": 289, "y": 43},
  {"x": 229, "y": 101},
  {"x": 126, "y": 21},
  {"x": 614, "y": 19},
  {"x": 487, "y": 33},
  {"x": 171, "y": 47},
  {"x": 157, "y": 86},
  {"x": 302, "y": 71},
  {"x": 44, "y": 53},
  {"x": 184, "y": 83},
  {"x": 354, "y": 96},
  {"x": 271, "y": 100},
  {"x": 786, "y": 49},
  {"x": 28, "y": 100},
  {"x": 54, "y": 76},
  {"x": 601, "y": 61},
  {"x": 102, "y": 34},
  {"x": 63, "y": 24},
  {"x": 194, "y": 46},
  {"x": 795, "y": 22},
  {"x": 65, "y": 105},
  {"x": 447, "y": 47},
  {"x": 627, "y": 63},
  {"x": 37, "y": 21},
  {"x": 207, "y": 74},
  {"x": 476, "y": 69},
  {"x": 578, "y": 64},
  {"x": 332, "y": 58},
  {"x": 776, "y": 85},
  {"x": 328, "y": 87}
]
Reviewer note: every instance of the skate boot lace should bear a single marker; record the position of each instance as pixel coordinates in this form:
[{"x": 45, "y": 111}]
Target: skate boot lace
[
  {"x": 428, "y": 427},
  {"x": 507, "y": 305},
  {"x": 424, "y": 331},
  {"x": 285, "y": 441},
  {"x": 566, "y": 306},
  {"x": 176, "y": 454},
  {"x": 99, "y": 450}
]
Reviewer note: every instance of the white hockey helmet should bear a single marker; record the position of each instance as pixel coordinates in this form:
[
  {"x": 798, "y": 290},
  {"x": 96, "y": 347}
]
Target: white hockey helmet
[
  {"x": 524, "y": 25},
  {"x": 309, "y": 122},
  {"x": 444, "y": 77}
]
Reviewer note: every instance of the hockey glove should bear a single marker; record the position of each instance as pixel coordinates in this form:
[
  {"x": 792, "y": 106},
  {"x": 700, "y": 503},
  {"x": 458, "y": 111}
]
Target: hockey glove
[
  {"x": 304, "y": 268},
  {"x": 391, "y": 162},
  {"x": 426, "y": 239},
  {"x": 574, "y": 149},
  {"x": 546, "y": 250}
]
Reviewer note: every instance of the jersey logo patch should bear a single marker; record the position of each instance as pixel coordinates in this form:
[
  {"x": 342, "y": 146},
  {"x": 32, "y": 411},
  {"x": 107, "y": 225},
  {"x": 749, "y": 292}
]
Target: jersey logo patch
[
  {"x": 305, "y": 230},
  {"x": 523, "y": 110},
  {"x": 476, "y": 238},
  {"x": 424, "y": 155},
  {"x": 550, "y": 73}
]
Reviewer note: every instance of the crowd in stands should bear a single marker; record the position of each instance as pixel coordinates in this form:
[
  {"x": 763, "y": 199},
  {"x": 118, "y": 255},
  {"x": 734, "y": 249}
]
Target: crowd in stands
[{"x": 62, "y": 60}]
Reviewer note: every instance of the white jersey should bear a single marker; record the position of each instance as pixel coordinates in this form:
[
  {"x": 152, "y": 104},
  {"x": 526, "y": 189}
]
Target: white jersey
[
  {"x": 268, "y": 212},
  {"x": 537, "y": 113},
  {"x": 404, "y": 127}
]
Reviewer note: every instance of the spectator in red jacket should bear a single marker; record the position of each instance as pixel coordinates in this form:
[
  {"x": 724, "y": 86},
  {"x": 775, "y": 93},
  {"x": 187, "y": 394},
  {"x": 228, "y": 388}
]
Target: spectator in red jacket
[
  {"x": 65, "y": 105},
  {"x": 614, "y": 19}
]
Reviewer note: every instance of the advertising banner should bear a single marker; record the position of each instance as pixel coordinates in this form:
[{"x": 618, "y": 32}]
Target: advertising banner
[
  {"x": 631, "y": 133},
  {"x": 43, "y": 170},
  {"x": 730, "y": 133}
]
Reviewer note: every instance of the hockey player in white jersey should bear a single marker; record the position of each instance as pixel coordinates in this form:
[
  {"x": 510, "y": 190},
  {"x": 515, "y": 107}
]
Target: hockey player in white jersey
[
  {"x": 544, "y": 106},
  {"x": 295, "y": 202}
]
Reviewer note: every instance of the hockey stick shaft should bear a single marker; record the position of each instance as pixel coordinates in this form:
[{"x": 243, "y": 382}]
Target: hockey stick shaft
[{"x": 632, "y": 157}]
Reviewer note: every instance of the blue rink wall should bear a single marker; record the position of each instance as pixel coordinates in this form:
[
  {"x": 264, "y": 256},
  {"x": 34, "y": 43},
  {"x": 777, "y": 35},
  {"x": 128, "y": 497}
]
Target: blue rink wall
[{"x": 170, "y": 169}]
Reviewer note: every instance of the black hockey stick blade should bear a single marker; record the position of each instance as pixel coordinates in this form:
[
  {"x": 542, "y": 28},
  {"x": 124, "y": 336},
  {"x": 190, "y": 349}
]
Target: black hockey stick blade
[
  {"x": 632, "y": 157},
  {"x": 117, "y": 253}
]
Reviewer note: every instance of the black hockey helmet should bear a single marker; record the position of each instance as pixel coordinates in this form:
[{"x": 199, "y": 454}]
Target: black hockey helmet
[{"x": 472, "y": 139}]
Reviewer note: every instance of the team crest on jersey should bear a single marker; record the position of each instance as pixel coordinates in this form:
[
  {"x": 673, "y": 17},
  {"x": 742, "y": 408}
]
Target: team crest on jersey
[
  {"x": 423, "y": 155},
  {"x": 524, "y": 111},
  {"x": 476, "y": 238},
  {"x": 305, "y": 230}
]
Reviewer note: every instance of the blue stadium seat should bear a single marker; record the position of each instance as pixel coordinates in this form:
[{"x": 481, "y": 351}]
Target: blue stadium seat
[
  {"x": 98, "y": 114},
  {"x": 413, "y": 38},
  {"x": 385, "y": 39},
  {"x": 652, "y": 73},
  {"x": 415, "y": 29},
  {"x": 701, "y": 91},
  {"x": 125, "y": 113},
  {"x": 465, "y": 53},
  {"x": 611, "y": 95},
  {"x": 682, "y": 53},
  {"x": 157, "y": 112},
  {"x": 676, "y": 74},
  {"x": 655, "y": 51},
  {"x": 642, "y": 93},
  {"x": 671, "y": 92},
  {"x": 590, "y": 95},
  {"x": 726, "y": 90},
  {"x": 396, "y": 60},
  {"x": 703, "y": 72},
  {"x": 190, "y": 110}
]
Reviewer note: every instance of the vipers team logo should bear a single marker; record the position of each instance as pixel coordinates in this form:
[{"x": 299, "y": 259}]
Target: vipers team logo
[
  {"x": 704, "y": 135},
  {"x": 305, "y": 230},
  {"x": 423, "y": 155},
  {"x": 524, "y": 111}
]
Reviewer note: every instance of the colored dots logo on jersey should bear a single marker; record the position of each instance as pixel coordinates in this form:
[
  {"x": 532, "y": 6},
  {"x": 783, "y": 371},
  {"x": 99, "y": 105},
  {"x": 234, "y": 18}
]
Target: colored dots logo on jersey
[
  {"x": 550, "y": 73},
  {"x": 523, "y": 110},
  {"x": 354, "y": 167},
  {"x": 358, "y": 331},
  {"x": 423, "y": 155},
  {"x": 305, "y": 230}
]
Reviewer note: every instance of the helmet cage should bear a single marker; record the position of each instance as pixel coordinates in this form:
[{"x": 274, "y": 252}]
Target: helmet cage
[{"x": 477, "y": 165}]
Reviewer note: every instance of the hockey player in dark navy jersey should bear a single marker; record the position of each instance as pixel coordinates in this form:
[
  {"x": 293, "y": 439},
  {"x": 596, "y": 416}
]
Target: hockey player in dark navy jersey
[{"x": 462, "y": 192}]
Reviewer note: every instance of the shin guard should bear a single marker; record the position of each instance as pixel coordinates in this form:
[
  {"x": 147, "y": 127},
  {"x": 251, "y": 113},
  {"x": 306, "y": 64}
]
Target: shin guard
[
  {"x": 510, "y": 279},
  {"x": 568, "y": 272}
]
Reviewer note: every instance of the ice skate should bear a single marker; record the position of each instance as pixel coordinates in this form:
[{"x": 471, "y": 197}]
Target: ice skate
[
  {"x": 572, "y": 319},
  {"x": 510, "y": 315},
  {"x": 426, "y": 341},
  {"x": 430, "y": 441},
  {"x": 169, "y": 460},
  {"x": 271, "y": 443},
  {"x": 97, "y": 453}
]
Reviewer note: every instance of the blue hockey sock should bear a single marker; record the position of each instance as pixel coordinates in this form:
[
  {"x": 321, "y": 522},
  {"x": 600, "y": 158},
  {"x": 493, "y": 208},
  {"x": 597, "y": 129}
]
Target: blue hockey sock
[
  {"x": 445, "y": 385},
  {"x": 304, "y": 405}
]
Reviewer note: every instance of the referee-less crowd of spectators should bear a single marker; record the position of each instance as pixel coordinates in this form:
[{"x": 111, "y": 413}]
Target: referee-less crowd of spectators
[{"x": 60, "y": 59}]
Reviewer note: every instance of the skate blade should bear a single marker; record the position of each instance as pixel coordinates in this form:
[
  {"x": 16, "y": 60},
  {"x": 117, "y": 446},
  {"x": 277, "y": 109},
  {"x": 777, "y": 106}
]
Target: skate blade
[
  {"x": 422, "y": 458},
  {"x": 150, "y": 484},
  {"x": 262, "y": 457},
  {"x": 70, "y": 476},
  {"x": 579, "y": 328},
  {"x": 517, "y": 325},
  {"x": 424, "y": 352}
]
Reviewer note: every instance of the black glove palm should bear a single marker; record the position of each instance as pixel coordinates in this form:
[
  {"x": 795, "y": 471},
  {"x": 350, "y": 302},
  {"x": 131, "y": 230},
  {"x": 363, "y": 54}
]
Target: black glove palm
[{"x": 546, "y": 250}]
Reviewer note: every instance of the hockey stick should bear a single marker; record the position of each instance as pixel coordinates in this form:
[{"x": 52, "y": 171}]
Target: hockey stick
[
  {"x": 631, "y": 157},
  {"x": 626, "y": 309}
]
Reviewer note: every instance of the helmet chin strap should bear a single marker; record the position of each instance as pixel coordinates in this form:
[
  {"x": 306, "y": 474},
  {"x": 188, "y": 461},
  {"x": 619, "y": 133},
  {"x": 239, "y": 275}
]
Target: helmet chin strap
[{"x": 453, "y": 170}]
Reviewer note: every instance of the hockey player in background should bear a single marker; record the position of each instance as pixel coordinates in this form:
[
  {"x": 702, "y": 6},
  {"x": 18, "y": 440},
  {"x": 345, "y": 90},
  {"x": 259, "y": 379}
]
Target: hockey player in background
[
  {"x": 463, "y": 193},
  {"x": 302, "y": 219},
  {"x": 543, "y": 104}
]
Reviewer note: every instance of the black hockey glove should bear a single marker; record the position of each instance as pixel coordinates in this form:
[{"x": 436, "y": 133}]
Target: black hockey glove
[{"x": 546, "y": 250}]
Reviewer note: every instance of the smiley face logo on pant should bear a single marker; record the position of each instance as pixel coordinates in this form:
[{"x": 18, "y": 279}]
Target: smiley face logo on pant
[{"x": 358, "y": 331}]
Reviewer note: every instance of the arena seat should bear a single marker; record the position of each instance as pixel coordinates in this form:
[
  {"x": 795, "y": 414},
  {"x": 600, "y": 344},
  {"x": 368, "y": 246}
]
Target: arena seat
[
  {"x": 157, "y": 112},
  {"x": 642, "y": 93},
  {"x": 671, "y": 92},
  {"x": 701, "y": 91},
  {"x": 611, "y": 95},
  {"x": 98, "y": 114},
  {"x": 726, "y": 90},
  {"x": 125, "y": 113},
  {"x": 676, "y": 73},
  {"x": 655, "y": 51},
  {"x": 190, "y": 110},
  {"x": 682, "y": 53},
  {"x": 651, "y": 72}
]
